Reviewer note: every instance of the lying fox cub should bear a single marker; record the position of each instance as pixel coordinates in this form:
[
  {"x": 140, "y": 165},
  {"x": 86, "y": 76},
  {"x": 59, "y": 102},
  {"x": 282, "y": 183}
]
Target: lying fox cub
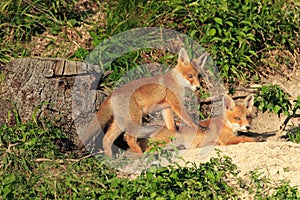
[{"x": 223, "y": 130}]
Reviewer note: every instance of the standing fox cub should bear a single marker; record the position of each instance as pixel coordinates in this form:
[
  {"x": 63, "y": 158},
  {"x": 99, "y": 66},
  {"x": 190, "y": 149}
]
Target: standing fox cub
[
  {"x": 223, "y": 129},
  {"x": 126, "y": 106}
]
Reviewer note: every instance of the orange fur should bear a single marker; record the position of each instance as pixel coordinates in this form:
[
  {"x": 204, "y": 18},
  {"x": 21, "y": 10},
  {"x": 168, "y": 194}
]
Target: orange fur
[
  {"x": 126, "y": 106},
  {"x": 222, "y": 129}
]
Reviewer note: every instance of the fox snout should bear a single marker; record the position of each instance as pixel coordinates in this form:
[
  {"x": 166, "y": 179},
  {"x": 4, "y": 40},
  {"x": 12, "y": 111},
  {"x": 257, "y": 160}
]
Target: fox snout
[
  {"x": 248, "y": 127},
  {"x": 243, "y": 128},
  {"x": 238, "y": 128},
  {"x": 195, "y": 88},
  {"x": 238, "y": 125}
]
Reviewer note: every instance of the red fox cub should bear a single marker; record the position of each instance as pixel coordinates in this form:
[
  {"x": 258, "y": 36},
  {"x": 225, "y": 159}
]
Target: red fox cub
[
  {"x": 223, "y": 129},
  {"x": 126, "y": 106}
]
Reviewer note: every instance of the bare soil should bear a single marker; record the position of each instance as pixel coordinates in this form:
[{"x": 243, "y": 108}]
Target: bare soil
[{"x": 277, "y": 158}]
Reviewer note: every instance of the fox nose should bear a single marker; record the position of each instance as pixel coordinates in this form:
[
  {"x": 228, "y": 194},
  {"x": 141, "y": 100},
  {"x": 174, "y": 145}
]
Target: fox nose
[
  {"x": 197, "y": 88},
  {"x": 248, "y": 127}
]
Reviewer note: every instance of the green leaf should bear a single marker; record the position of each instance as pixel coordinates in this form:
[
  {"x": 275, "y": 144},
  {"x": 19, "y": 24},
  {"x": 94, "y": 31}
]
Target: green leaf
[
  {"x": 193, "y": 33},
  {"x": 212, "y": 32},
  {"x": 276, "y": 108},
  {"x": 152, "y": 195},
  {"x": 229, "y": 23},
  {"x": 253, "y": 53},
  {"x": 218, "y": 20}
]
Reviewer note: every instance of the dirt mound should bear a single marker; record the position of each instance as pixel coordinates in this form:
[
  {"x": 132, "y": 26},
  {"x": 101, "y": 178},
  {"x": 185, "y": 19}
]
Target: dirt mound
[{"x": 275, "y": 160}]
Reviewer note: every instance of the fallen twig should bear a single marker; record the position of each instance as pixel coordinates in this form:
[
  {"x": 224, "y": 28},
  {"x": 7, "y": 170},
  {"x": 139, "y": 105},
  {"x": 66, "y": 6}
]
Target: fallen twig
[
  {"x": 282, "y": 127},
  {"x": 10, "y": 146}
]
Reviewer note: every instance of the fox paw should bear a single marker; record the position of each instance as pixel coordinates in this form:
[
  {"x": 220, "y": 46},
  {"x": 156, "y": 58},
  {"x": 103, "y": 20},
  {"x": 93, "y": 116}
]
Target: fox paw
[{"x": 260, "y": 139}]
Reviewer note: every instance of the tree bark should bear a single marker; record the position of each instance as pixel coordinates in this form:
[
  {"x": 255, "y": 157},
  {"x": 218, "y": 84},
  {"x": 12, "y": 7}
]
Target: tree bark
[{"x": 64, "y": 90}]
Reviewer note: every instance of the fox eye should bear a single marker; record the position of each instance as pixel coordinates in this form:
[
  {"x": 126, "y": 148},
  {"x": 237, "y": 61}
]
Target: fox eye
[
  {"x": 237, "y": 118},
  {"x": 190, "y": 75},
  {"x": 249, "y": 117}
]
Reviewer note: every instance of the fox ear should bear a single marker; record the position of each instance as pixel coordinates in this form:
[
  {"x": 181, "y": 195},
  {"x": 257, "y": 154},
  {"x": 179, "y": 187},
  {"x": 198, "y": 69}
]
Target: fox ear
[
  {"x": 183, "y": 56},
  {"x": 249, "y": 101},
  {"x": 202, "y": 60},
  {"x": 228, "y": 102}
]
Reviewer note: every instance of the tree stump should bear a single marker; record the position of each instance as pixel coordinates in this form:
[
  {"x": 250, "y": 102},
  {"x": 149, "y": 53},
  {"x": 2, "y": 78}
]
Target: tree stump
[{"x": 45, "y": 87}]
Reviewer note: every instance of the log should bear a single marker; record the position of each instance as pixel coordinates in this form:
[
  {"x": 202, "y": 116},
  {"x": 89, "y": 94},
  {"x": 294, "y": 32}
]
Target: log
[{"x": 51, "y": 88}]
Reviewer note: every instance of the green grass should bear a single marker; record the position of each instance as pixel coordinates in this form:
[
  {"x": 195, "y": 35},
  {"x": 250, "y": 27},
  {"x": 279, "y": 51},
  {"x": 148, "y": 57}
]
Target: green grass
[
  {"x": 35, "y": 163},
  {"x": 45, "y": 23},
  {"x": 238, "y": 36}
]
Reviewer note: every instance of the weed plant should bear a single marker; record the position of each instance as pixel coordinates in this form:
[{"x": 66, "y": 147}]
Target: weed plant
[
  {"x": 293, "y": 134},
  {"x": 35, "y": 166},
  {"x": 238, "y": 35},
  {"x": 273, "y": 99}
]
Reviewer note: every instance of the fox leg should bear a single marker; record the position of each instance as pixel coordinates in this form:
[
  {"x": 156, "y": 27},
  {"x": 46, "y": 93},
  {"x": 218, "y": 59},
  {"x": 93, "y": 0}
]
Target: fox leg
[
  {"x": 181, "y": 111},
  {"x": 240, "y": 139},
  {"x": 131, "y": 139},
  {"x": 198, "y": 140},
  {"x": 111, "y": 135},
  {"x": 167, "y": 114},
  {"x": 132, "y": 128},
  {"x": 178, "y": 107},
  {"x": 132, "y": 143}
]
